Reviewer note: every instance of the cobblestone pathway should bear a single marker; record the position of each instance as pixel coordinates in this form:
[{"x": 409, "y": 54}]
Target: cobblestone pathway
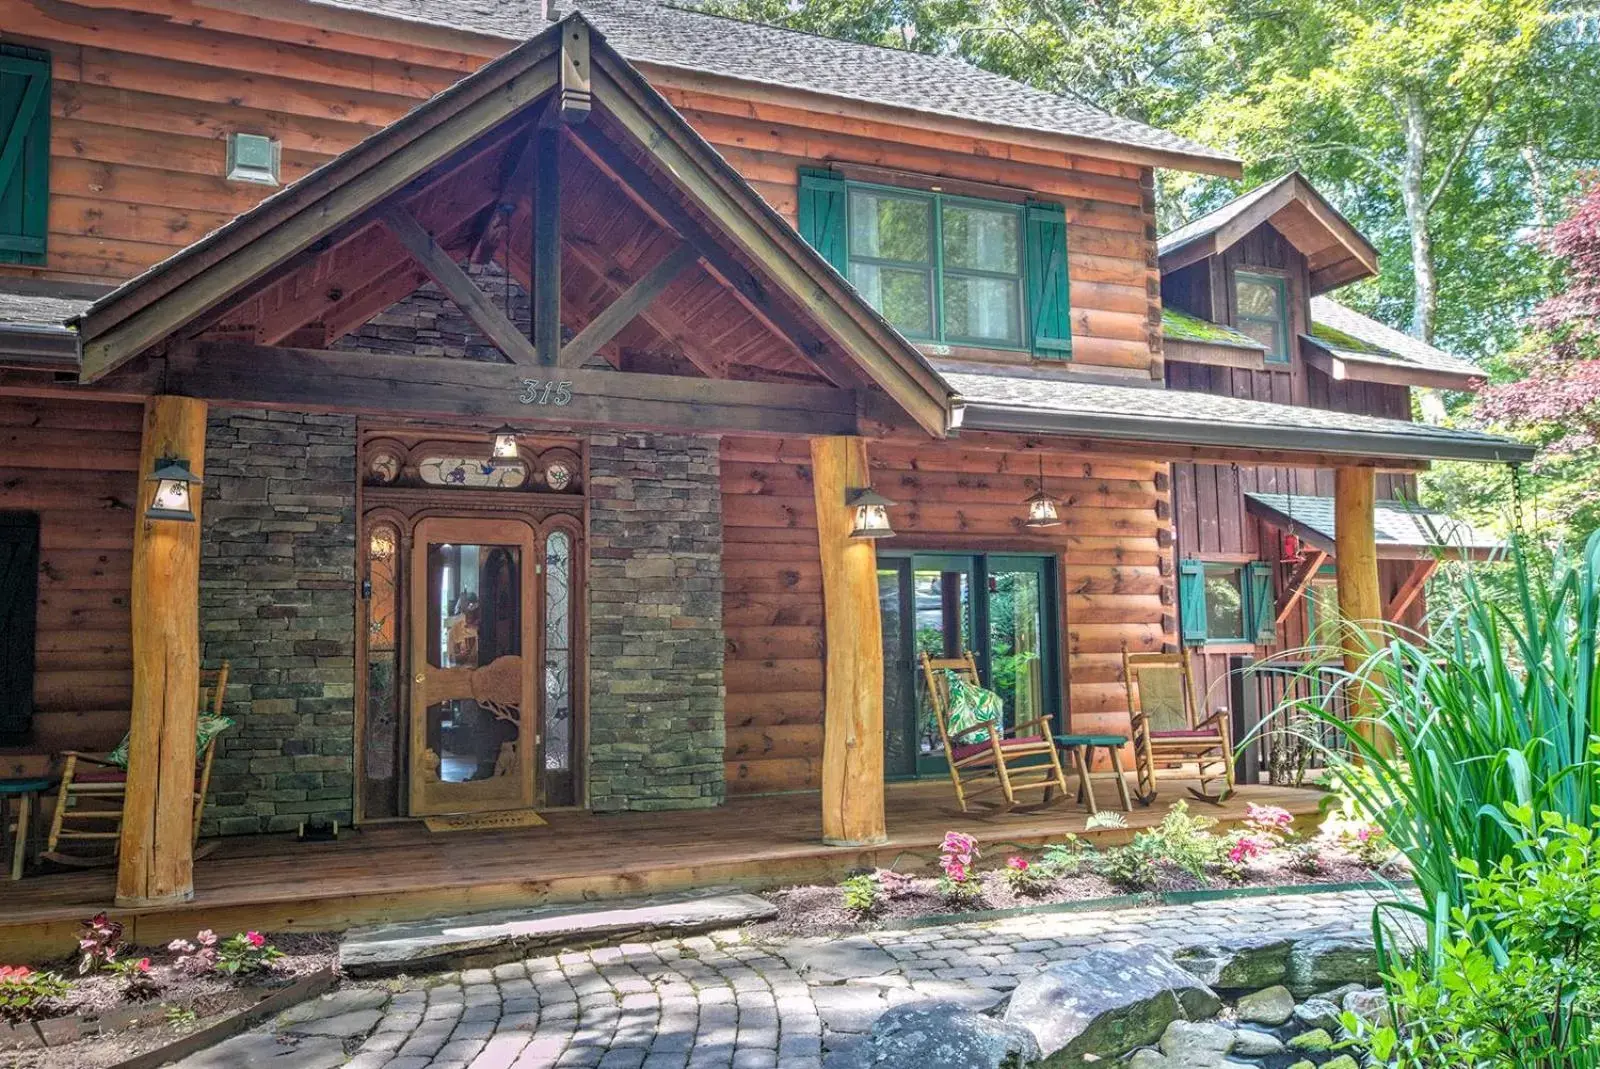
[{"x": 725, "y": 1000}]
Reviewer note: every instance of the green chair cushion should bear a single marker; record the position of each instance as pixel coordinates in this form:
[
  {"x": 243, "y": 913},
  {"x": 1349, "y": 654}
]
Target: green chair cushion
[
  {"x": 207, "y": 727},
  {"x": 1091, "y": 740},
  {"x": 970, "y": 705}
]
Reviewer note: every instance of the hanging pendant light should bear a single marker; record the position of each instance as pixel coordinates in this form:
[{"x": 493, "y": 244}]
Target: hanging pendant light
[
  {"x": 1043, "y": 510},
  {"x": 171, "y": 501},
  {"x": 505, "y": 443}
]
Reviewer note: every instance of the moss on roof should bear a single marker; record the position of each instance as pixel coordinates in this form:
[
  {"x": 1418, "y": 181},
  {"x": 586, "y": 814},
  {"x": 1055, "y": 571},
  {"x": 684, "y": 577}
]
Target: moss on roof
[
  {"x": 1338, "y": 339},
  {"x": 1181, "y": 326}
]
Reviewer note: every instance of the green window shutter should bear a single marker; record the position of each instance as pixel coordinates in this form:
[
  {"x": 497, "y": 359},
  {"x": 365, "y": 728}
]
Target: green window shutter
[
  {"x": 1262, "y": 617},
  {"x": 1049, "y": 291},
  {"x": 24, "y": 154},
  {"x": 822, "y": 216},
  {"x": 1192, "y": 600}
]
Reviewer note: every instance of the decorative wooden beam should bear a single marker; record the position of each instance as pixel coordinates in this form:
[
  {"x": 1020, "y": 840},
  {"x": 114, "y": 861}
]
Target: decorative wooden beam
[
  {"x": 576, "y": 91},
  {"x": 852, "y": 721},
  {"x": 1299, "y": 580},
  {"x": 314, "y": 380},
  {"x": 547, "y": 243},
  {"x": 620, "y": 312},
  {"x": 497, "y": 228},
  {"x": 155, "y": 859},
  {"x": 461, "y": 289},
  {"x": 1360, "y": 605},
  {"x": 1411, "y": 589}
]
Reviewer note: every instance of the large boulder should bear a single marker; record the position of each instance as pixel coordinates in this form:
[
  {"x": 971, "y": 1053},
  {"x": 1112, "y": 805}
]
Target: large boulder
[
  {"x": 943, "y": 1035},
  {"x": 1319, "y": 961},
  {"x": 1197, "y": 1043},
  {"x": 1106, "y": 1003},
  {"x": 1241, "y": 962},
  {"x": 1271, "y": 1006}
]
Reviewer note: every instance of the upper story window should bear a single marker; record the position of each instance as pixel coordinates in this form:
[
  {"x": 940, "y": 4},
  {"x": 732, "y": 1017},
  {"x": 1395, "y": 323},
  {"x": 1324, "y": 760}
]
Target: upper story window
[
  {"x": 24, "y": 154},
  {"x": 1261, "y": 310},
  {"x": 939, "y": 268},
  {"x": 944, "y": 269}
]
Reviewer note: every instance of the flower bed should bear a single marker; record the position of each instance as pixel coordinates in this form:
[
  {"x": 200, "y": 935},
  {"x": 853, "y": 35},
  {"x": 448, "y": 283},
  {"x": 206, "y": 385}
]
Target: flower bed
[
  {"x": 1183, "y": 853},
  {"x": 110, "y": 1000}
]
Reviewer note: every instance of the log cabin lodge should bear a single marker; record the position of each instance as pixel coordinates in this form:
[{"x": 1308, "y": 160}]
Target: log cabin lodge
[{"x": 518, "y": 375}]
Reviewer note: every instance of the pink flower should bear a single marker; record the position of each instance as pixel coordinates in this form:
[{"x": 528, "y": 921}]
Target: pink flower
[
  {"x": 206, "y": 937},
  {"x": 255, "y": 939},
  {"x": 181, "y": 946},
  {"x": 1243, "y": 850},
  {"x": 956, "y": 871},
  {"x": 1020, "y": 864},
  {"x": 14, "y": 972},
  {"x": 1366, "y": 832},
  {"x": 143, "y": 965}
]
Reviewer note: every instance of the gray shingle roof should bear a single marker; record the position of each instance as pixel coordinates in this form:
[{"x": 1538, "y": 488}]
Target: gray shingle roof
[
  {"x": 1058, "y": 406},
  {"x": 1350, "y": 335},
  {"x": 645, "y": 31},
  {"x": 34, "y": 310},
  {"x": 1398, "y": 523}
]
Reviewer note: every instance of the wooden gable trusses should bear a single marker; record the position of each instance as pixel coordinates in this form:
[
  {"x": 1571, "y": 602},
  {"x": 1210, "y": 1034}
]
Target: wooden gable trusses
[{"x": 636, "y": 243}]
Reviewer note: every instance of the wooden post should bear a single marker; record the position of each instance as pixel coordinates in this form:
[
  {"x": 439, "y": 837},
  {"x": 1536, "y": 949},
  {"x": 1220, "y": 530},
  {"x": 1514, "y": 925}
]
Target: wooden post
[
  {"x": 155, "y": 861},
  {"x": 547, "y": 243},
  {"x": 852, "y": 723},
  {"x": 1356, "y": 557}
]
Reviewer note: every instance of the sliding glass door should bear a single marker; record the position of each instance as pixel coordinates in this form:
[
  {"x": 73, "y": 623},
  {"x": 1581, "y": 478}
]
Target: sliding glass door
[{"x": 1001, "y": 608}]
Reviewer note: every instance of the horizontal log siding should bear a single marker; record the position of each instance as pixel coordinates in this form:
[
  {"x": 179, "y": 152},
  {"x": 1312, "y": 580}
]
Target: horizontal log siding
[
  {"x": 143, "y": 101},
  {"x": 74, "y": 463},
  {"x": 1116, "y": 578}
]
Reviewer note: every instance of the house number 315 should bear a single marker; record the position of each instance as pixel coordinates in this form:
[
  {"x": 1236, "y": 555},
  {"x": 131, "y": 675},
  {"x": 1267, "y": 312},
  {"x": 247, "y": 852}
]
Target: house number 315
[{"x": 540, "y": 392}]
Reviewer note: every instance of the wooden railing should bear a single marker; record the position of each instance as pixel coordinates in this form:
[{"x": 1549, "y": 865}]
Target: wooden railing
[{"x": 1286, "y": 750}]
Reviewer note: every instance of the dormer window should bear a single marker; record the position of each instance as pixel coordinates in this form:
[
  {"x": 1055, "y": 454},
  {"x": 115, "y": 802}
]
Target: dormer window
[{"x": 1260, "y": 309}]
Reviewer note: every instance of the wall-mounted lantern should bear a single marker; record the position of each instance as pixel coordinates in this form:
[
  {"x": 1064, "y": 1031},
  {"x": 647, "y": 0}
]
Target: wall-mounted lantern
[
  {"x": 505, "y": 443},
  {"x": 872, "y": 514},
  {"x": 1043, "y": 510},
  {"x": 171, "y": 499}
]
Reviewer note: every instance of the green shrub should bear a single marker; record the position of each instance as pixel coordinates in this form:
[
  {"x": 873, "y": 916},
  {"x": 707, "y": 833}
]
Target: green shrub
[
  {"x": 1181, "y": 841},
  {"x": 862, "y": 895},
  {"x": 28, "y": 996},
  {"x": 1067, "y": 858}
]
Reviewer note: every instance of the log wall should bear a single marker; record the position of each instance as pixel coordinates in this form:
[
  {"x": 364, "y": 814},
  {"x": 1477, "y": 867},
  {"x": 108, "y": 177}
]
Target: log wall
[
  {"x": 75, "y": 464},
  {"x": 1115, "y": 575}
]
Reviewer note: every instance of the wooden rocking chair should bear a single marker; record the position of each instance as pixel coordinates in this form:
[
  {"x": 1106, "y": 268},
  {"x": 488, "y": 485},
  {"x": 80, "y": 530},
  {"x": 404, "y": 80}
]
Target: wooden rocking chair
[
  {"x": 89, "y": 804},
  {"x": 1167, "y": 729},
  {"x": 987, "y": 751}
]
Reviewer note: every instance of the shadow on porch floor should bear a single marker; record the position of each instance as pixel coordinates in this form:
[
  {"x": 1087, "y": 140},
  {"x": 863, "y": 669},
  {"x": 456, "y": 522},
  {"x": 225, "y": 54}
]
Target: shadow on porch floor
[{"x": 403, "y": 871}]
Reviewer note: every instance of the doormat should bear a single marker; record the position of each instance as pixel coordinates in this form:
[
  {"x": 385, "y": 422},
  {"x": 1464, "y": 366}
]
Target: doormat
[{"x": 508, "y": 818}]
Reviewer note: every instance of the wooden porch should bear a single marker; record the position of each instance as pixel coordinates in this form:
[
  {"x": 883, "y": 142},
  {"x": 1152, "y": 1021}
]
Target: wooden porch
[{"x": 403, "y": 871}]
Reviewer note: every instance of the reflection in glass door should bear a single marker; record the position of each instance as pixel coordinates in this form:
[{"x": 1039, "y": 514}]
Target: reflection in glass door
[
  {"x": 472, "y": 696},
  {"x": 1002, "y": 608}
]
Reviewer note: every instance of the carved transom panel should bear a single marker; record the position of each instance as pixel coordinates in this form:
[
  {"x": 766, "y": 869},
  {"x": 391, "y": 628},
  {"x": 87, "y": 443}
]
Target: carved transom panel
[{"x": 541, "y": 467}]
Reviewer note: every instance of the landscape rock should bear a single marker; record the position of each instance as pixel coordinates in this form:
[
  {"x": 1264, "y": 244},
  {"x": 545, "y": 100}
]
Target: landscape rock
[
  {"x": 1197, "y": 1043},
  {"x": 1343, "y": 1061},
  {"x": 1238, "y": 963},
  {"x": 1251, "y": 1043},
  {"x": 335, "y": 1003},
  {"x": 1323, "y": 960},
  {"x": 1304, "y": 1063},
  {"x": 1315, "y": 1041},
  {"x": 1106, "y": 1003},
  {"x": 1273, "y": 1006},
  {"x": 1370, "y": 1004},
  {"x": 1146, "y": 1058},
  {"x": 1317, "y": 1013},
  {"x": 943, "y": 1035}
]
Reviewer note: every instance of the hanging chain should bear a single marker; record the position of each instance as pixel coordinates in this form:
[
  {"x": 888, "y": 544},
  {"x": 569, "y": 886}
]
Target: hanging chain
[{"x": 1516, "y": 499}]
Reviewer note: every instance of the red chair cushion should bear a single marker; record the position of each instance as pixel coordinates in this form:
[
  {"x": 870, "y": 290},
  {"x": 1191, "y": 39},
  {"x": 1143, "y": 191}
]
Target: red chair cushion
[
  {"x": 963, "y": 752},
  {"x": 1183, "y": 735},
  {"x": 92, "y": 774}
]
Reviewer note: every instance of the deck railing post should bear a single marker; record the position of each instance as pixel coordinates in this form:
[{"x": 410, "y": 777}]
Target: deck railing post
[
  {"x": 155, "y": 862},
  {"x": 1356, "y": 556},
  {"x": 1244, "y": 699},
  {"x": 852, "y": 722}
]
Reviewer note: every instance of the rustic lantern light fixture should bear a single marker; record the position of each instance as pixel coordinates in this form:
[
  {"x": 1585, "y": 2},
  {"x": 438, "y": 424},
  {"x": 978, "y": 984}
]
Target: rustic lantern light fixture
[
  {"x": 872, "y": 514},
  {"x": 1043, "y": 510},
  {"x": 171, "y": 499},
  {"x": 505, "y": 443}
]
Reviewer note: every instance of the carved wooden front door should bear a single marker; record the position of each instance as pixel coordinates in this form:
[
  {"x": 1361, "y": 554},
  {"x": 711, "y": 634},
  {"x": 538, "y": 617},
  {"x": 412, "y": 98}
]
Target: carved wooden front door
[{"x": 474, "y": 645}]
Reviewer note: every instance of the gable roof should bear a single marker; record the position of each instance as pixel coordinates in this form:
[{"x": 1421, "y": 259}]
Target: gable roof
[
  {"x": 1402, "y": 529},
  {"x": 150, "y": 307},
  {"x": 1359, "y": 347},
  {"x": 1337, "y": 253},
  {"x": 667, "y": 35}
]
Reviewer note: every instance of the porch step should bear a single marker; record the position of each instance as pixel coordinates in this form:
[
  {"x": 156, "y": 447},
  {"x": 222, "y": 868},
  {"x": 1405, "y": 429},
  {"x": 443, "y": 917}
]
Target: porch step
[{"x": 480, "y": 939}]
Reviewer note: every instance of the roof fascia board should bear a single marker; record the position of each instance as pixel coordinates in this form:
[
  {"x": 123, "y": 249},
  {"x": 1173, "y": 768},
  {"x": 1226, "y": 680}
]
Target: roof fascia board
[
  {"x": 1346, "y": 235},
  {"x": 1341, "y": 366},
  {"x": 1368, "y": 444},
  {"x": 1216, "y": 354},
  {"x": 38, "y": 348},
  {"x": 750, "y": 222}
]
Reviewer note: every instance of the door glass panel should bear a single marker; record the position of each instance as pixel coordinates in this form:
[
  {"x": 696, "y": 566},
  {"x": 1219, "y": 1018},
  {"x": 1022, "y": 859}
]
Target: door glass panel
[
  {"x": 557, "y": 721},
  {"x": 1016, "y": 642},
  {"x": 943, "y": 600},
  {"x": 899, "y": 680},
  {"x": 475, "y": 638},
  {"x": 381, "y": 734}
]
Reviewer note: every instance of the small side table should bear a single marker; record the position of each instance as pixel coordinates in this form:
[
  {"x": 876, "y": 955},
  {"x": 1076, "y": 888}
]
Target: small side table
[
  {"x": 1079, "y": 750},
  {"x": 26, "y": 792}
]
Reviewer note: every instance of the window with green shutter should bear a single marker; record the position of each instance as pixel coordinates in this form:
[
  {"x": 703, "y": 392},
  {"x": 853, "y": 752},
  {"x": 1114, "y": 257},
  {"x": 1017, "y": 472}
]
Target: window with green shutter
[
  {"x": 946, "y": 269},
  {"x": 1263, "y": 602},
  {"x": 1227, "y": 603},
  {"x": 1192, "y": 600},
  {"x": 24, "y": 154}
]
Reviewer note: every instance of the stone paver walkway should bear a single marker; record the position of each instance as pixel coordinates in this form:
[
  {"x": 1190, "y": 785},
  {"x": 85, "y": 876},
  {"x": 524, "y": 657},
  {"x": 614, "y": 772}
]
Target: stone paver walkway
[{"x": 730, "y": 1002}]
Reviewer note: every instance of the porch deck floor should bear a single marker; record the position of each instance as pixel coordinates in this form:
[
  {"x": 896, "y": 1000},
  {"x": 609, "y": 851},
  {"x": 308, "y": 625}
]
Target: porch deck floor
[{"x": 403, "y": 871}]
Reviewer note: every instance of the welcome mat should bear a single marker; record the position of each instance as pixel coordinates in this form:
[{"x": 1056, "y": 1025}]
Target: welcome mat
[{"x": 508, "y": 818}]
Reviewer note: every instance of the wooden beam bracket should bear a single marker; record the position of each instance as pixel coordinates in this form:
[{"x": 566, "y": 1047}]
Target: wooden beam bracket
[
  {"x": 628, "y": 305},
  {"x": 1299, "y": 581}
]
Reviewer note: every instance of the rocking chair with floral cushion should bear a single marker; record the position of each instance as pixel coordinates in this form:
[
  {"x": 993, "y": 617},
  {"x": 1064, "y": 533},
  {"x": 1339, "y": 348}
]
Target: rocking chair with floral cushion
[
  {"x": 976, "y": 744},
  {"x": 1167, "y": 727},
  {"x": 93, "y": 787}
]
